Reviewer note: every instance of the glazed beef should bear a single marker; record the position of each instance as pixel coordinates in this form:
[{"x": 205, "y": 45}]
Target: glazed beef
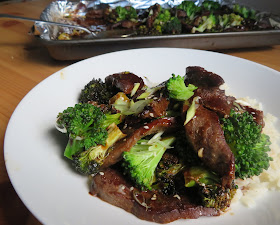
[
  {"x": 112, "y": 187},
  {"x": 216, "y": 100},
  {"x": 208, "y": 83},
  {"x": 212, "y": 97},
  {"x": 257, "y": 114},
  {"x": 200, "y": 77},
  {"x": 124, "y": 145},
  {"x": 206, "y": 136},
  {"x": 157, "y": 108},
  {"x": 124, "y": 82},
  {"x": 155, "y": 9}
]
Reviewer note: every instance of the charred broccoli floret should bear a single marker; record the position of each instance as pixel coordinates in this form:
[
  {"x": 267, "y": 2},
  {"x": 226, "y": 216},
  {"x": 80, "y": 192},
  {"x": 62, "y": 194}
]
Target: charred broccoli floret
[
  {"x": 190, "y": 8},
  {"x": 167, "y": 170},
  {"x": 141, "y": 161},
  {"x": 208, "y": 187},
  {"x": 178, "y": 90},
  {"x": 173, "y": 26},
  {"x": 89, "y": 161},
  {"x": 96, "y": 90},
  {"x": 249, "y": 146},
  {"x": 85, "y": 125}
]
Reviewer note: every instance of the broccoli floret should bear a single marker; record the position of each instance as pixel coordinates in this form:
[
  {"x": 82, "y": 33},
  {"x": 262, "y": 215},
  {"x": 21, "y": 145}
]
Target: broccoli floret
[
  {"x": 173, "y": 26},
  {"x": 85, "y": 125},
  {"x": 96, "y": 90},
  {"x": 190, "y": 8},
  {"x": 207, "y": 186},
  {"x": 126, "y": 13},
  {"x": 224, "y": 20},
  {"x": 178, "y": 90},
  {"x": 249, "y": 146},
  {"x": 211, "y": 5},
  {"x": 162, "y": 18},
  {"x": 244, "y": 12},
  {"x": 235, "y": 20},
  {"x": 89, "y": 161},
  {"x": 141, "y": 161},
  {"x": 166, "y": 172},
  {"x": 230, "y": 20},
  {"x": 207, "y": 23}
]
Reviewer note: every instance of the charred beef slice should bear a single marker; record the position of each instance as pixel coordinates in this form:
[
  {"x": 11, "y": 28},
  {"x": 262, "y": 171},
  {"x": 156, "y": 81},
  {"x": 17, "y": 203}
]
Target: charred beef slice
[{"x": 112, "y": 187}]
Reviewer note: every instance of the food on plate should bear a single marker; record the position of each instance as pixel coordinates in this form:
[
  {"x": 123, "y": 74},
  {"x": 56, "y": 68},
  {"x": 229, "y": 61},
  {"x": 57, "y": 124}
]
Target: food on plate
[
  {"x": 166, "y": 152},
  {"x": 182, "y": 17}
]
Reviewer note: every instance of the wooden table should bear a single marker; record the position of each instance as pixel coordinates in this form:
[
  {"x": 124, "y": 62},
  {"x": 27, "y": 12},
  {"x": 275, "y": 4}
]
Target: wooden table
[{"x": 24, "y": 63}]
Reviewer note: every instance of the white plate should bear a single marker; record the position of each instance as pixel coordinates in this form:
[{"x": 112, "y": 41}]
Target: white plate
[{"x": 34, "y": 149}]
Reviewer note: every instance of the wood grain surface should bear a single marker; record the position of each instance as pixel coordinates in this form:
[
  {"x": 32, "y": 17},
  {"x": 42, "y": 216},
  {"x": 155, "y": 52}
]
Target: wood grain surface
[{"x": 24, "y": 62}]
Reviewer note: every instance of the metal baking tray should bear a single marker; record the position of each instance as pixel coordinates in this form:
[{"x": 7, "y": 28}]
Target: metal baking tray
[
  {"x": 81, "y": 49},
  {"x": 85, "y": 48}
]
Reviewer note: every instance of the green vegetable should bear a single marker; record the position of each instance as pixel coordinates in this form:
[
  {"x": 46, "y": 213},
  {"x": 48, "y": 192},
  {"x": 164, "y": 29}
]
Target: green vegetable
[
  {"x": 166, "y": 173},
  {"x": 200, "y": 175},
  {"x": 142, "y": 160},
  {"x": 85, "y": 125},
  {"x": 208, "y": 188},
  {"x": 126, "y": 13},
  {"x": 208, "y": 23},
  {"x": 211, "y": 5},
  {"x": 127, "y": 106},
  {"x": 162, "y": 18},
  {"x": 173, "y": 26},
  {"x": 190, "y": 8},
  {"x": 89, "y": 161},
  {"x": 191, "y": 111},
  {"x": 249, "y": 146},
  {"x": 178, "y": 90},
  {"x": 235, "y": 20},
  {"x": 96, "y": 90},
  {"x": 244, "y": 12}
]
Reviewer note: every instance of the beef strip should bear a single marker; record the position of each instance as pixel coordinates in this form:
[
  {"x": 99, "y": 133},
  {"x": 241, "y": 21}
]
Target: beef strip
[
  {"x": 157, "y": 108},
  {"x": 257, "y": 114},
  {"x": 124, "y": 82},
  {"x": 124, "y": 145},
  {"x": 112, "y": 187},
  {"x": 153, "y": 13},
  {"x": 200, "y": 77},
  {"x": 212, "y": 97},
  {"x": 206, "y": 136},
  {"x": 216, "y": 100}
]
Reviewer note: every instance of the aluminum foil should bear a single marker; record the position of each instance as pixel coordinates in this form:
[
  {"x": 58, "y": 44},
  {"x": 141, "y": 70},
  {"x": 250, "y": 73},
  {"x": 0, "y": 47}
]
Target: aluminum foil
[{"x": 58, "y": 11}]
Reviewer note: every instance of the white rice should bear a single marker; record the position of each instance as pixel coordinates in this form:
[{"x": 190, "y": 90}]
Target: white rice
[{"x": 250, "y": 188}]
